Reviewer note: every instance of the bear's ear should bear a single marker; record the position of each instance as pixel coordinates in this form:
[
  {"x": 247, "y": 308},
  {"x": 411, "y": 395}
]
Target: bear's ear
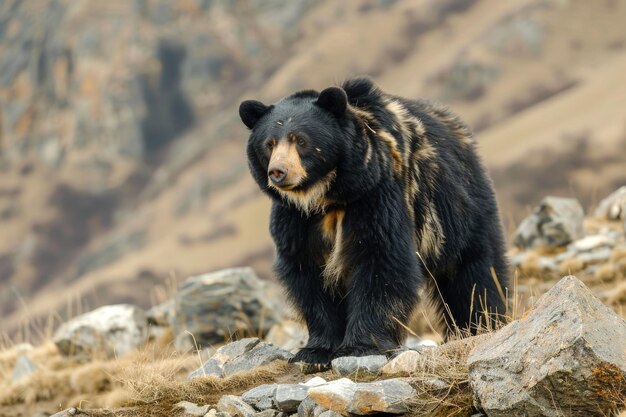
[
  {"x": 251, "y": 111},
  {"x": 333, "y": 99}
]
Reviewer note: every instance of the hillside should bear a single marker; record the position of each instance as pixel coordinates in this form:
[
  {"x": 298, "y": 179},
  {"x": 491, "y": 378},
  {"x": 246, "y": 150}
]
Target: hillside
[{"x": 122, "y": 165}]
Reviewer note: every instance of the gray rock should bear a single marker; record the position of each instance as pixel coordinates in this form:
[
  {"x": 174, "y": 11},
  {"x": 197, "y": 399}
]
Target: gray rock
[
  {"x": 239, "y": 356},
  {"x": 235, "y": 406},
  {"x": 70, "y": 412},
  {"x": 161, "y": 315},
  {"x": 214, "y": 413},
  {"x": 262, "y": 354},
  {"x": 343, "y": 395},
  {"x": 261, "y": 397},
  {"x": 269, "y": 413},
  {"x": 555, "y": 222},
  {"x": 209, "y": 368},
  {"x": 309, "y": 408},
  {"x": 348, "y": 365},
  {"x": 589, "y": 243},
  {"x": 613, "y": 207},
  {"x": 283, "y": 397},
  {"x": 418, "y": 344},
  {"x": 24, "y": 367},
  {"x": 568, "y": 254},
  {"x": 216, "y": 306},
  {"x": 105, "y": 332},
  {"x": 289, "y": 396},
  {"x": 566, "y": 354},
  {"x": 315, "y": 381},
  {"x": 191, "y": 409},
  {"x": 595, "y": 256},
  {"x": 235, "y": 349}
]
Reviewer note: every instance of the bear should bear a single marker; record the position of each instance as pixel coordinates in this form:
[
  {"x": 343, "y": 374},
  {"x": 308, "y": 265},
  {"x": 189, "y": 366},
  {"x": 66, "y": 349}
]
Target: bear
[{"x": 376, "y": 199}]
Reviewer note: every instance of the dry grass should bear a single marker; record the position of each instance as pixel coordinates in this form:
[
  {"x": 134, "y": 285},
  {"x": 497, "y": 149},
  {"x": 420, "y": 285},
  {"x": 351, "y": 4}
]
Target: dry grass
[
  {"x": 149, "y": 381},
  {"x": 442, "y": 380},
  {"x": 158, "y": 383}
]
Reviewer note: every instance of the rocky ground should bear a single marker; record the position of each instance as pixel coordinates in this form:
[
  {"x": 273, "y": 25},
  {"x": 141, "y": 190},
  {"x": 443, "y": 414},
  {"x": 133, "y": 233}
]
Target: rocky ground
[
  {"x": 122, "y": 160},
  {"x": 220, "y": 345}
]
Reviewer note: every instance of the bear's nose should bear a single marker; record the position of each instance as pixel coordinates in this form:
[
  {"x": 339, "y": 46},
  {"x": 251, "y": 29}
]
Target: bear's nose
[{"x": 277, "y": 175}]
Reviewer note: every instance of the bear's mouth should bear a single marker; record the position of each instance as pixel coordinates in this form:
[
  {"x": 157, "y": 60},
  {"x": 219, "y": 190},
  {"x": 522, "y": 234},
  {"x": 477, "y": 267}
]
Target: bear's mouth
[{"x": 287, "y": 186}]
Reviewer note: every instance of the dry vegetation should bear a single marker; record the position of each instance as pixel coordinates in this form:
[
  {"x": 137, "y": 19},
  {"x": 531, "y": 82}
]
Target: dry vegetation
[{"x": 149, "y": 381}]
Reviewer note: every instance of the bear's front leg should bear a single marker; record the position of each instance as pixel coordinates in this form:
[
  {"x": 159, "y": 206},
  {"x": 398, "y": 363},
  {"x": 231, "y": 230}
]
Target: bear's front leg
[
  {"x": 299, "y": 263},
  {"x": 385, "y": 273}
]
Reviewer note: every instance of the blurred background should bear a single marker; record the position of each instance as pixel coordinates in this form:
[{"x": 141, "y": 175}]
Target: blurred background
[{"x": 122, "y": 157}]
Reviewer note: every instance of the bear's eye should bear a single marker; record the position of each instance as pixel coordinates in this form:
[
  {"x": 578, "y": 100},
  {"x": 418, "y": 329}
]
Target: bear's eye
[
  {"x": 270, "y": 144},
  {"x": 301, "y": 141}
]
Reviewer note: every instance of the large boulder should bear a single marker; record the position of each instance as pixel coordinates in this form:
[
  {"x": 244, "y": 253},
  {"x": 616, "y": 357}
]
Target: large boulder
[
  {"x": 554, "y": 222},
  {"x": 105, "y": 332},
  {"x": 567, "y": 353},
  {"x": 222, "y": 305}
]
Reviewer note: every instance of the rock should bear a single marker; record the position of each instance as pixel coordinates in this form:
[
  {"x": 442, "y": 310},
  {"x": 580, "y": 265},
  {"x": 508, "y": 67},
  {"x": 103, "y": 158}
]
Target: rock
[
  {"x": 386, "y": 396},
  {"x": 405, "y": 363},
  {"x": 260, "y": 355},
  {"x": 70, "y": 412},
  {"x": 289, "y": 396},
  {"x": 235, "y": 406},
  {"x": 261, "y": 397},
  {"x": 415, "y": 343},
  {"x": 595, "y": 256},
  {"x": 161, "y": 315},
  {"x": 105, "y": 332},
  {"x": 284, "y": 397},
  {"x": 315, "y": 381},
  {"x": 309, "y": 408},
  {"x": 289, "y": 335},
  {"x": 269, "y": 413},
  {"x": 216, "y": 306},
  {"x": 239, "y": 356},
  {"x": 592, "y": 242},
  {"x": 348, "y": 365},
  {"x": 24, "y": 367},
  {"x": 565, "y": 354},
  {"x": 214, "y": 413},
  {"x": 613, "y": 207},
  {"x": 191, "y": 409},
  {"x": 555, "y": 222}
]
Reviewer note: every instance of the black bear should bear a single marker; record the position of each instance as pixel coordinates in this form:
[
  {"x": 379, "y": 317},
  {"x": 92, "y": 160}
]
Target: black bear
[{"x": 373, "y": 196}]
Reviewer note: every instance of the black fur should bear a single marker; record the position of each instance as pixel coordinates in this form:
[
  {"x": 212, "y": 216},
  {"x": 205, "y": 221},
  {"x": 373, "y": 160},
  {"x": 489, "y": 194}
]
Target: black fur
[{"x": 385, "y": 225}]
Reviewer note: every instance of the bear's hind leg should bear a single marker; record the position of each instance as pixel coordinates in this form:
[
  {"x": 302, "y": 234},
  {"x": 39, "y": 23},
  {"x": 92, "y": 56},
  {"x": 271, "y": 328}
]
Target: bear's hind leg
[{"x": 469, "y": 298}]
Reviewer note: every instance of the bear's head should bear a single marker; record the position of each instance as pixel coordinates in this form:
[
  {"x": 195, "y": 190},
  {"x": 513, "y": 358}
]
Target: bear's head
[{"x": 297, "y": 145}]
